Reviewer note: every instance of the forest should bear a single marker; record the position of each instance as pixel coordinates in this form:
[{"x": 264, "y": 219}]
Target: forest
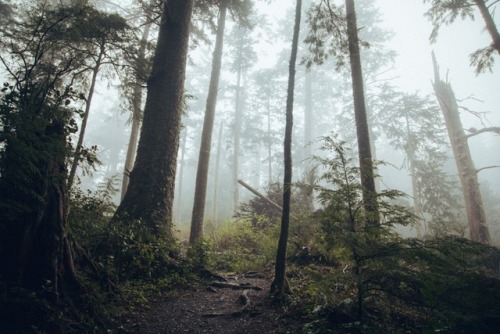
[{"x": 249, "y": 166}]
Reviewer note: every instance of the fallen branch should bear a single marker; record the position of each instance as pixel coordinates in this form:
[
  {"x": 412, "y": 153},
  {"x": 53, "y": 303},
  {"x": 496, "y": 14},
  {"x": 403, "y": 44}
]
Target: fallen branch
[{"x": 242, "y": 286}]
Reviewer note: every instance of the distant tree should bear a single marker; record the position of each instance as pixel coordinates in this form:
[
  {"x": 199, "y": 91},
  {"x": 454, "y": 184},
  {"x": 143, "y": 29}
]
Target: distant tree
[
  {"x": 36, "y": 120},
  {"x": 476, "y": 217},
  {"x": 149, "y": 197},
  {"x": 241, "y": 10},
  {"x": 445, "y": 12},
  {"x": 279, "y": 285},
  {"x": 206, "y": 135},
  {"x": 414, "y": 126},
  {"x": 243, "y": 56}
]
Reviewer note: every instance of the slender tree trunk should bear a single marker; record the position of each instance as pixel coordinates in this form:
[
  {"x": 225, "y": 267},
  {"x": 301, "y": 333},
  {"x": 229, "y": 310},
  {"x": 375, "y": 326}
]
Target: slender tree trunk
[
  {"x": 364, "y": 147},
  {"x": 490, "y": 24},
  {"x": 280, "y": 285},
  {"x": 476, "y": 217},
  {"x": 417, "y": 205},
  {"x": 150, "y": 193},
  {"x": 308, "y": 135},
  {"x": 206, "y": 135},
  {"x": 236, "y": 132},
  {"x": 215, "y": 212},
  {"x": 88, "y": 103},
  {"x": 137, "y": 108}
]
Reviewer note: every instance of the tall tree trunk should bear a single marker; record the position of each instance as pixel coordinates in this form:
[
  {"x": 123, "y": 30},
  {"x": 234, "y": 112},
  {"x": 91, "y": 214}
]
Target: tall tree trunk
[
  {"x": 280, "y": 285},
  {"x": 150, "y": 193},
  {"x": 206, "y": 135},
  {"x": 88, "y": 103},
  {"x": 490, "y": 24},
  {"x": 136, "y": 108},
  {"x": 215, "y": 212},
  {"x": 362, "y": 132},
  {"x": 476, "y": 217}
]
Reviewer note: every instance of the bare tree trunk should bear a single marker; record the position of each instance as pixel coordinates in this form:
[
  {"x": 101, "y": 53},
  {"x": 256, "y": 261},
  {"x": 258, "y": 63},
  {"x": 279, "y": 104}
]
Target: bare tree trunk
[
  {"x": 206, "y": 135},
  {"x": 150, "y": 193},
  {"x": 476, "y": 217},
  {"x": 362, "y": 132},
  {"x": 83, "y": 127},
  {"x": 137, "y": 109},
  {"x": 280, "y": 285}
]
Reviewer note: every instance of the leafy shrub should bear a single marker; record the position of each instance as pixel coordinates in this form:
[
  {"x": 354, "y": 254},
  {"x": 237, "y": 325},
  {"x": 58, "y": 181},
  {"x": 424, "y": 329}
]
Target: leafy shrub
[{"x": 241, "y": 246}]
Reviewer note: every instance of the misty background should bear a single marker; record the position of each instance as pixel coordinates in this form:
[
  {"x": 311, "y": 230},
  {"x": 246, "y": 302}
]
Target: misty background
[{"x": 264, "y": 92}]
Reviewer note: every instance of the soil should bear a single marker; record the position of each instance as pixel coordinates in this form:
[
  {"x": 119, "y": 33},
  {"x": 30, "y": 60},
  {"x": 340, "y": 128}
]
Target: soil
[{"x": 215, "y": 306}]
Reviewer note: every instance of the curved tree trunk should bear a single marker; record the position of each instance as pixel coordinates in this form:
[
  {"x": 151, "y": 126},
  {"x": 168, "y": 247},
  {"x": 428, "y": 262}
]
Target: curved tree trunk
[
  {"x": 362, "y": 132},
  {"x": 150, "y": 193},
  {"x": 206, "y": 135},
  {"x": 279, "y": 285}
]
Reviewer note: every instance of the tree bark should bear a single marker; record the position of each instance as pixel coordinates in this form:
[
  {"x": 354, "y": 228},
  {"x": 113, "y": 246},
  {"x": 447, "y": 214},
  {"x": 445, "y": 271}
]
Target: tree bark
[
  {"x": 362, "y": 131},
  {"x": 136, "y": 109},
  {"x": 206, "y": 135},
  {"x": 476, "y": 217},
  {"x": 279, "y": 285},
  {"x": 150, "y": 193}
]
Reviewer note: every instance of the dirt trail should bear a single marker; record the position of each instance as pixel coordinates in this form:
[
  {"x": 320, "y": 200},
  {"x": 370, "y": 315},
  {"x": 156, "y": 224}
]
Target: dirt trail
[{"x": 215, "y": 308}]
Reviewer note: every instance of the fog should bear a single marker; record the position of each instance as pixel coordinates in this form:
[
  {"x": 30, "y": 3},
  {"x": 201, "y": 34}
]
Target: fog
[{"x": 411, "y": 72}]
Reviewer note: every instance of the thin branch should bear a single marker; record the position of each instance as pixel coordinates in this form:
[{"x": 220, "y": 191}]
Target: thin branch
[{"x": 487, "y": 167}]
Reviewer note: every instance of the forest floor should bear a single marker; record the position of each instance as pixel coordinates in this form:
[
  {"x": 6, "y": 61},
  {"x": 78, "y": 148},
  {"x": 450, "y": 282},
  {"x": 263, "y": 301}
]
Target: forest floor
[{"x": 240, "y": 304}]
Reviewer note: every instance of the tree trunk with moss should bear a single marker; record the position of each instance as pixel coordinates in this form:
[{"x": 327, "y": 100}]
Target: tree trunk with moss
[{"x": 150, "y": 194}]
